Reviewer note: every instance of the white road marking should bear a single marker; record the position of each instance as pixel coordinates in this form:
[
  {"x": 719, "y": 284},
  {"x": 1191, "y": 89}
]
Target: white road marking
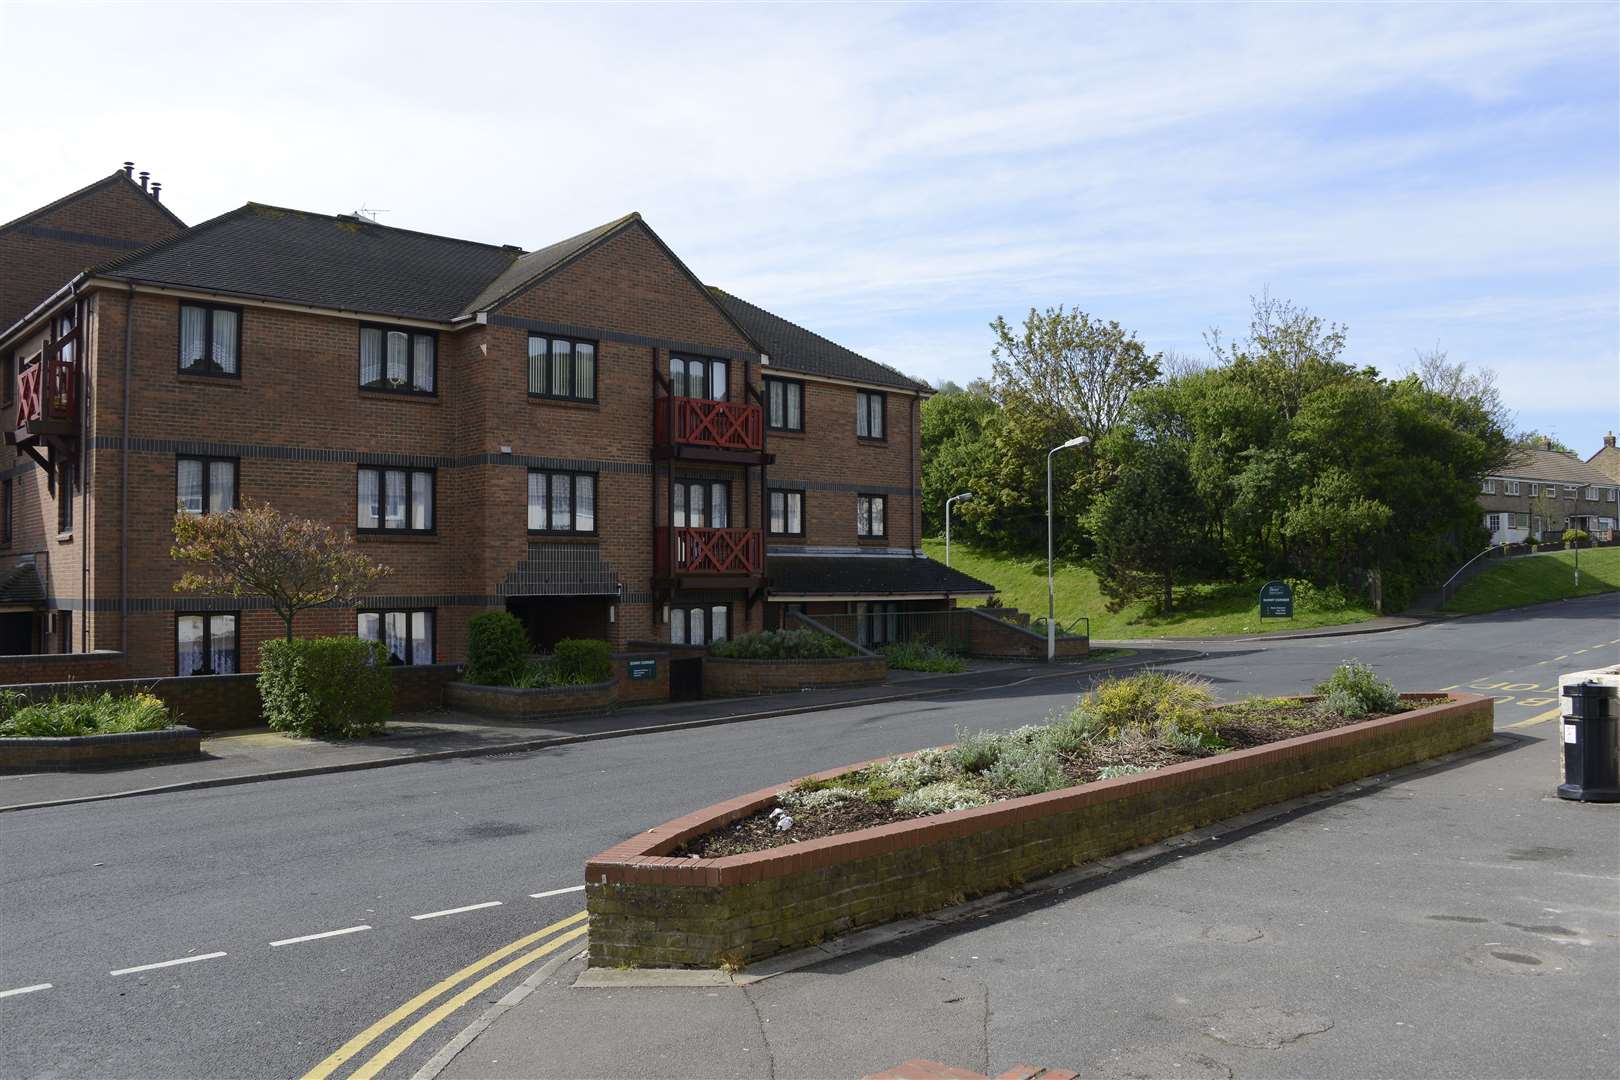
[
  {"x": 556, "y": 892},
  {"x": 456, "y": 910},
  {"x": 167, "y": 963},
  {"x": 24, "y": 990},
  {"x": 317, "y": 937}
]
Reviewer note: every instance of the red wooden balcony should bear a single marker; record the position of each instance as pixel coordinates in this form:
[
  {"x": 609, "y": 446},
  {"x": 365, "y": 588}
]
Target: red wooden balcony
[
  {"x": 709, "y": 553},
  {"x": 47, "y": 398},
  {"x": 704, "y": 425}
]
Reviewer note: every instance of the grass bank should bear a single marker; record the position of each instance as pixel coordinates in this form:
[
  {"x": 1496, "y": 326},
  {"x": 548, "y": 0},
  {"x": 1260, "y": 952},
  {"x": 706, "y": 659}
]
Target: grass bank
[
  {"x": 1535, "y": 579},
  {"x": 1201, "y": 610}
]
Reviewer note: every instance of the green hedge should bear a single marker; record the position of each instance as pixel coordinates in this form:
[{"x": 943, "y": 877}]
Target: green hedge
[
  {"x": 583, "y": 660},
  {"x": 497, "y": 649},
  {"x": 781, "y": 645},
  {"x": 331, "y": 687}
]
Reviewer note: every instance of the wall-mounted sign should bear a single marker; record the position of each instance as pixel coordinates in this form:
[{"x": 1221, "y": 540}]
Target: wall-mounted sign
[
  {"x": 643, "y": 669},
  {"x": 1276, "y": 600}
]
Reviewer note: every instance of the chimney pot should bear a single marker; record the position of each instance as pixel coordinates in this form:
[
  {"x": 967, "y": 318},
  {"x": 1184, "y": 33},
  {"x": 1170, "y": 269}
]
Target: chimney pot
[
  {"x": 157, "y": 188},
  {"x": 1608, "y": 440},
  {"x": 129, "y": 169},
  {"x": 144, "y": 175}
]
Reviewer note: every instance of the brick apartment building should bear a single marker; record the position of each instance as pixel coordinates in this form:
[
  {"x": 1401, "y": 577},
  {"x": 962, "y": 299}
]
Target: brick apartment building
[
  {"x": 1544, "y": 492},
  {"x": 583, "y": 434}
]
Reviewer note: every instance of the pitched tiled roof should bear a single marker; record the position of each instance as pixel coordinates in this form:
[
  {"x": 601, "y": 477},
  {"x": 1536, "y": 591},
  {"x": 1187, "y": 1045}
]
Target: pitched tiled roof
[
  {"x": 331, "y": 261},
  {"x": 793, "y": 348},
  {"x": 115, "y": 178},
  {"x": 808, "y": 575},
  {"x": 22, "y": 586},
  {"x": 1552, "y": 465},
  {"x": 536, "y": 264}
]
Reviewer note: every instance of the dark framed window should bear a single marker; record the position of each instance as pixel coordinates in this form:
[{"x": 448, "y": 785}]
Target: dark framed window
[
  {"x": 700, "y": 504},
  {"x": 7, "y": 512},
  {"x": 407, "y": 634},
  {"x": 784, "y": 404},
  {"x": 205, "y": 485},
  {"x": 395, "y": 500},
  {"x": 869, "y": 409},
  {"x": 210, "y": 340},
  {"x": 207, "y": 644},
  {"x": 869, "y": 515},
  {"x": 66, "y": 477},
  {"x": 699, "y": 377},
  {"x": 562, "y": 502},
  {"x": 398, "y": 359},
  {"x": 699, "y": 625},
  {"x": 562, "y": 368},
  {"x": 786, "y": 512}
]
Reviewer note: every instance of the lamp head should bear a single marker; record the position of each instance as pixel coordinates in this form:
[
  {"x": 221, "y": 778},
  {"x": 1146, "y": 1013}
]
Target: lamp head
[
  {"x": 1078, "y": 440},
  {"x": 965, "y": 495}
]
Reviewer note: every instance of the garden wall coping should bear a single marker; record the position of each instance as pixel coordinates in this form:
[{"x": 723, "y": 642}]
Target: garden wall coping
[{"x": 73, "y": 750}]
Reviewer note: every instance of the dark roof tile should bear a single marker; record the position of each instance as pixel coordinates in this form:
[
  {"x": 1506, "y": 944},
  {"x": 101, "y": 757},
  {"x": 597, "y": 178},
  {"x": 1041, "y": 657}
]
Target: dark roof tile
[
  {"x": 793, "y": 348},
  {"x": 874, "y": 575}
]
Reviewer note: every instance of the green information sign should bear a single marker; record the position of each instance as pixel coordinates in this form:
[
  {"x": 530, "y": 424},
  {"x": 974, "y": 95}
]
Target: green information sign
[
  {"x": 1276, "y": 600},
  {"x": 643, "y": 669}
]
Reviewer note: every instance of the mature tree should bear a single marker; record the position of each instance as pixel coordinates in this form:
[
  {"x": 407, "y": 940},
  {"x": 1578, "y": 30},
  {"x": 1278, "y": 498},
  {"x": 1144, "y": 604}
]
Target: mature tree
[
  {"x": 1146, "y": 526},
  {"x": 1069, "y": 370},
  {"x": 295, "y": 563},
  {"x": 956, "y": 449},
  {"x": 1469, "y": 397},
  {"x": 1535, "y": 440}
]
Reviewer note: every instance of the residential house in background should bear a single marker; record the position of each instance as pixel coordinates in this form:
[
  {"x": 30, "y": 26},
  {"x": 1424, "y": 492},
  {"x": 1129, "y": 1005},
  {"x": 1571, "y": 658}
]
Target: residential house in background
[
  {"x": 583, "y": 434},
  {"x": 1543, "y": 492},
  {"x": 1607, "y": 460}
]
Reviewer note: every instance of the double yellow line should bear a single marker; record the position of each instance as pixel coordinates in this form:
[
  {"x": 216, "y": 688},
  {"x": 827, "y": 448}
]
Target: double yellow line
[{"x": 575, "y": 928}]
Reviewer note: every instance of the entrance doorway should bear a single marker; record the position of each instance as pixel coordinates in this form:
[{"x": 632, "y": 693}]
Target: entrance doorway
[{"x": 549, "y": 619}]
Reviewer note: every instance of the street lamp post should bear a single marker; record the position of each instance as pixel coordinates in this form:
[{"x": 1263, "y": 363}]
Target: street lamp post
[
  {"x": 953, "y": 498},
  {"x": 1051, "y": 600}
]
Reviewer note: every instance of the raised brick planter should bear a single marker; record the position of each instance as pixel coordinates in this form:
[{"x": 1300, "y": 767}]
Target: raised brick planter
[
  {"x": 650, "y": 910},
  {"x": 509, "y": 703},
  {"x": 79, "y": 751},
  {"x": 724, "y": 676}
]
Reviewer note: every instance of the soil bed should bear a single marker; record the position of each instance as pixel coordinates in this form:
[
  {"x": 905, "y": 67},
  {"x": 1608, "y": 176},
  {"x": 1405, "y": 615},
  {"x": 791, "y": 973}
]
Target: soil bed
[{"x": 1240, "y": 726}]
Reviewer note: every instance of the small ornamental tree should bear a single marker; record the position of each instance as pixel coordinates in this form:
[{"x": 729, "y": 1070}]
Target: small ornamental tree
[{"x": 293, "y": 562}]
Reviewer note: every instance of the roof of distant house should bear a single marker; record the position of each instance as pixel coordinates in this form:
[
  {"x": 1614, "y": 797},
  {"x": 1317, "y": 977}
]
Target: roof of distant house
[
  {"x": 793, "y": 348},
  {"x": 118, "y": 177},
  {"x": 1552, "y": 465}
]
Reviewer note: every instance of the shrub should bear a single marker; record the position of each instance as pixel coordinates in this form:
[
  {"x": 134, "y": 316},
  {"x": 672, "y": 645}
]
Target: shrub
[
  {"x": 977, "y": 752},
  {"x": 912, "y": 770},
  {"x": 1153, "y": 701},
  {"x": 1028, "y": 769},
  {"x": 331, "y": 687},
  {"x": 798, "y": 799},
  {"x": 921, "y": 656},
  {"x": 941, "y": 798},
  {"x": 1355, "y": 685},
  {"x": 781, "y": 645},
  {"x": 537, "y": 673},
  {"x": 1576, "y": 536},
  {"x": 80, "y": 714},
  {"x": 583, "y": 660},
  {"x": 497, "y": 649}
]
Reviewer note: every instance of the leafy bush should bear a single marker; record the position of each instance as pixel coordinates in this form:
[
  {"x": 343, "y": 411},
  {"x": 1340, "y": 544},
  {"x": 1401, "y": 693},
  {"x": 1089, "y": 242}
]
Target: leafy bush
[
  {"x": 583, "y": 660},
  {"x": 330, "y": 688},
  {"x": 781, "y": 645},
  {"x": 912, "y": 771},
  {"x": 921, "y": 656},
  {"x": 1576, "y": 536},
  {"x": 537, "y": 673},
  {"x": 80, "y": 714},
  {"x": 1028, "y": 769},
  {"x": 798, "y": 799},
  {"x": 1354, "y": 690},
  {"x": 977, "y": 752},
  {"x": 497, "y": 649},
  {"x": 941, "y": 798},
  {"x": 1153, "y": 701}
]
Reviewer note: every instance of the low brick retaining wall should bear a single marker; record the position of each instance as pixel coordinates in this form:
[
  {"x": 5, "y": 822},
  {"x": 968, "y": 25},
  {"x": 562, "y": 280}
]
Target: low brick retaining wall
[
  {"x": 1000, "y": 639},
  {"x": 227, "y": 702},
  {"x": 61, "y": 667},
  {"x": 79, "y": 751},
  {"x": 725, "y": 676},
  {"x": 509, "y": 703},
  {"x": 650, "y": 910}
]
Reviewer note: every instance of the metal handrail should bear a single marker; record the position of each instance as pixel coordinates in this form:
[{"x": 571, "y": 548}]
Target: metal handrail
[{"x": 1445, "y": 590}]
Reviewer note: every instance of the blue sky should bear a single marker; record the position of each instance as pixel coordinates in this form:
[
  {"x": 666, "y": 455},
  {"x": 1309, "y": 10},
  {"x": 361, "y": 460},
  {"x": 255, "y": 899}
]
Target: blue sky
[{"x": 895, "y": 176}]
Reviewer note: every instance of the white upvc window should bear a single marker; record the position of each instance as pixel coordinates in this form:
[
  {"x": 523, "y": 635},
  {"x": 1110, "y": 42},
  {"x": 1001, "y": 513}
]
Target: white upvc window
[
  {"x": 1488, "y": 486},
  {"x": 1512, "y": 487}
]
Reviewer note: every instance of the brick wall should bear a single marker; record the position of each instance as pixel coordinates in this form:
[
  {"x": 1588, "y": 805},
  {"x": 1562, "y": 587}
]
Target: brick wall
[
  {"x": 996, "y": 638},
  {"x": 510, "y": 703},
  {"x": 727, "y": 677},
  {"x": 229, "y": 702},
  {"x": 649, "y": 909},
  {"x": 61, "y": 668},
  {"x": 82, "y": 751}
]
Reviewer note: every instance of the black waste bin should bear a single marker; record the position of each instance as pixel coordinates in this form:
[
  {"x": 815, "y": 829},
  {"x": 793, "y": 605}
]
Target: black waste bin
[{"x": 1591, "y": 743}]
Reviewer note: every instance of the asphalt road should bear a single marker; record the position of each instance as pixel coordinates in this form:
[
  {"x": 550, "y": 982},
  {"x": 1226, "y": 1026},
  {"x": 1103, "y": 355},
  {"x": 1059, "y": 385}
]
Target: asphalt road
[{"x": 97, "y": 888}]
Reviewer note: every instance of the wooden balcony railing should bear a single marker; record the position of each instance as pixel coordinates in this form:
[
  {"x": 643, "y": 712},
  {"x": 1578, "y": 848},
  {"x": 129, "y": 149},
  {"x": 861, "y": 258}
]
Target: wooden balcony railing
[
  {"x": 727, "y": 552},
  {"x": 48, "y": 391},
  {"x": 717, "y": 425}
]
